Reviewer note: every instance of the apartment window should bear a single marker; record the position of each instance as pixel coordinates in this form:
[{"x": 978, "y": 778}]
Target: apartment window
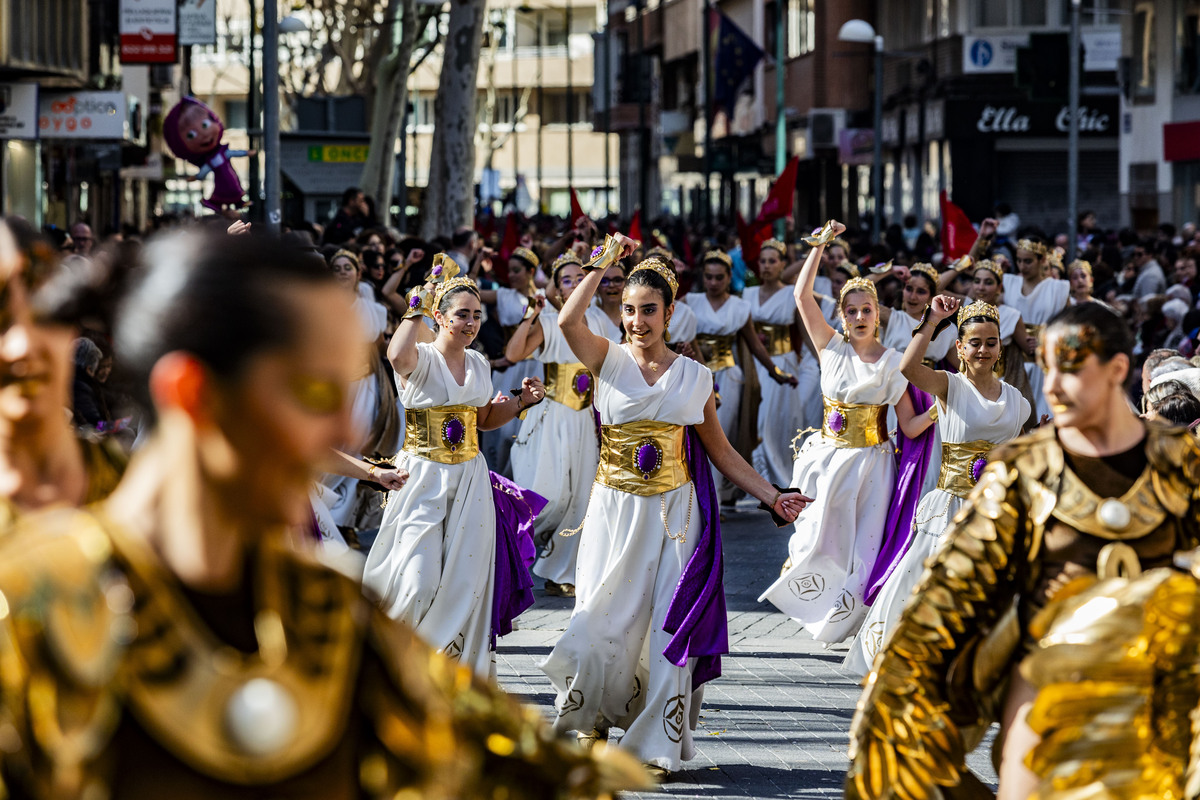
[
  {"x": 420, "y": 113},
  {"x": 1144, "y": 65},
  {"x": 1187, "y": 52},
  {"x": 801, "y": 27},
  {"x": 236, "y": 114},
  {"x": 563, "y": 108},
  {"x": 1094, "y": 12},
  {"x": 1010, "y": 13}
]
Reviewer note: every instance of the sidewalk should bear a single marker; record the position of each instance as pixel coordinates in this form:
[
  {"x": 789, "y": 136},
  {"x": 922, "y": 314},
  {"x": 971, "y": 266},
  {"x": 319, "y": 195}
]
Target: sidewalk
[{"x": 776, "y": 723}]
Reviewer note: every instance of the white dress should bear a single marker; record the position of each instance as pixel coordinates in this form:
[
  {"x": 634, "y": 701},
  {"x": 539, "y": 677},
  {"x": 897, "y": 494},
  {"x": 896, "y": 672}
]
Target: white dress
[
  {"x": 497, "y": 444},
  {"x": 838, "y": 536},
  {"x": 609, "y": 663},
  {"x": 728, "y": 320},
  {"x": 683, "y": 324},
  {"x": 1047, "y": 299},
  {"x": 966, "y": 416},
  {"x": 433, "y": 563},
  {"x": 555, "y": 455},
  {"x": 608, "y": 330},
  {"x": 780, "y": 416}
]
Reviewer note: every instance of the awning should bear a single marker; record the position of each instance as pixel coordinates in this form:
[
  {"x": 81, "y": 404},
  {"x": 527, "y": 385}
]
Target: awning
[{"x": 323, "y": 166}]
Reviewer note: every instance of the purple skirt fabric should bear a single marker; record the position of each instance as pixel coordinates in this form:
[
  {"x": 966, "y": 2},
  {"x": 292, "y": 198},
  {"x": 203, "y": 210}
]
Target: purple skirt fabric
[
  {"x": 696, "y": 617},
  {"x": 516, "y": 509},
  {"x": 912, "y": 461}
]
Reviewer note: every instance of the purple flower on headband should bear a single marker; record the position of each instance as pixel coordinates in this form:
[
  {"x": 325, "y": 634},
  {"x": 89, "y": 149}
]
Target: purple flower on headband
[
  {"x": 414, "y": 302},
  {"x": 836, "y": 421},
  {"x": 437, "y": 271},
  {"x": 596, "y": 253},
  {"x": 977, "y": 467}
]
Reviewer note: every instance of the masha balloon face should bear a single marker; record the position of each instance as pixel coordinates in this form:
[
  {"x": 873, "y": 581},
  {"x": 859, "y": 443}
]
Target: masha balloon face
[{"x": 199, "y": 129}]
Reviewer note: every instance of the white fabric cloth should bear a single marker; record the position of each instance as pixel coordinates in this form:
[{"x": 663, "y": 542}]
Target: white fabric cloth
[
  {"x": 898, "y": 335},
  {"x": 608, "y": 665},
  {"x": 780, "y": 416},
  {"x": 610, "y": 330},
  {"x": 555, "y": 455},
  {"x": 724, "y": 321},
  {"x": 497, "y": 444},
  {"x": 433, "y": 563},
  {"x": 1037, "y": 308},
  {"x": 1008, "y": 323},
  {"x": 683, "y": 324},
  {"x": 839, "y": 535},
  {"x": 966, "y": 416}
]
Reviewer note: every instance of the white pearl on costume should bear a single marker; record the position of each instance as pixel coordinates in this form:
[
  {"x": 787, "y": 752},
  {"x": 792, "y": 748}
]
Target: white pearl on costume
[
  {"x": 260, "y": 717},
  {"x": 1114, "y": 514}
]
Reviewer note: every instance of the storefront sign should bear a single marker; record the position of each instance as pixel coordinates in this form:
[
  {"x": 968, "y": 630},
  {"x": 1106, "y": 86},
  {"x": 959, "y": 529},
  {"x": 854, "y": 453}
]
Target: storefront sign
[
  {"x": 84, "y": 115},
  {"x": 197, "y": 22},
  {"x": 148, "y": 31},
  {"x": 338, "y": 153},
  {"x": 997, "y": 53},
  {"x": 18, "y": 111},
  {"x": 973, "y": 119}
]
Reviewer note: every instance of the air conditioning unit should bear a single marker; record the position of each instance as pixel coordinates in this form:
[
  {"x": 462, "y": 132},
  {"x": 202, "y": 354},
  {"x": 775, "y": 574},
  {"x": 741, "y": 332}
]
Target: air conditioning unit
[{"x": 825, "y": 126}]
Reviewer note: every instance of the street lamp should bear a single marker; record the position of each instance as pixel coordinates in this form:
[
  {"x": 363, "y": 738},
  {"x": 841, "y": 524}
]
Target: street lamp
[{"x": 862, "y": 32}]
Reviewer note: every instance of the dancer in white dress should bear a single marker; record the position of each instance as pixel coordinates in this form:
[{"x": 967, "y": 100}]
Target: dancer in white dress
[
  {"x": 919, "y": 290},
  {"x": 651, "y": 522},
  {"x": 721, "y": 319},
  {"x": 781, "y": 414},
  {"x": 977, "y": 411},
  {"x": 561, "y": 474},
  {"x": 433, "y": 563},
  {"x": 848, "y": 467},
  {"x": 1038, "y": 298}
]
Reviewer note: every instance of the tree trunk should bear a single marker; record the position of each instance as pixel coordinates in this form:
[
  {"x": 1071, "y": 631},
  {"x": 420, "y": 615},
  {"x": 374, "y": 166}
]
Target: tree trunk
[
  {"x": 450, "y": 197},
  {"x": 391, "y": 98}
]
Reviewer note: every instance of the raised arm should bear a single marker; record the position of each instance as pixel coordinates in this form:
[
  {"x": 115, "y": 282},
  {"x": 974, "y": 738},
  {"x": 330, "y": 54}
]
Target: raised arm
[
  {"x": 930, "y": 381},
  {"x": 402, "y": 349},
  {"x": 818, "y": 329},
  {"x": 589, "y": 348},
  {"x": 528, "y": 336}
]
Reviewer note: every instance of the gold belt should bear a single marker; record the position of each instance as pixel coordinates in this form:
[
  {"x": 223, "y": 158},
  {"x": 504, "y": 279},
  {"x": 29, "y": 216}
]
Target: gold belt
[
  {"x": 854, "y": 425},
  {"x": 445, "y": 434},
  {"x": 569, "y": 384},
  {"x": 962, "y": 466},
  {"x": 721, "y": 348},
  {"x": 643, "y": 457},
  {"x": 778, "y": 337}
]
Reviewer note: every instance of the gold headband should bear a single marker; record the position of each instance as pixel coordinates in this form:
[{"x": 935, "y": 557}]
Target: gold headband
[
  {"x": 562, "y": 261},
  {"x": 719, "y": 255},
  {"x": 859, "y": 285},
  {"x": 776, "y": 245},
  {"x": 350, "y": 254},
  {"x": 1037, "y": 248},
  {"x": 1054, "y": 258},
  {"x": 447, "y": 286},
  {"x": 663, "y": 271},
  {"x": 990, "y": 266},
  {"x": 849, "y": 268},
  {"x": 1079, "y": 263},
  {"x": 978, "y": 309},
  {"x": 927, "y": 270},
  {"x": 528, "y": 256},
  {"x": 839, "y": 242}
]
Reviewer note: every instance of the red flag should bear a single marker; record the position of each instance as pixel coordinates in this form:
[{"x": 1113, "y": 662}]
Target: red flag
[
  {"x": 752, "y": 235},
  {"x": 958, "y": 235},
  {"x": 576, "y": 208},
  {"x": 687, "y": 255},
  {"x": 781, "y": 197},
  {"x": 635, "y": 226},
  {"x": 512, "y": 236}
]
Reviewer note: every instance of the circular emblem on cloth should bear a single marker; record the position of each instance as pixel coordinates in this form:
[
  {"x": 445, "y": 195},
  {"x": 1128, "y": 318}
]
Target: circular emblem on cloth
[
  {"x": 843, "y": 608},
  {"x": 808, "y": 586},
  {"x": 977, "y": 467},
  {"x": 873, "y": 639},
  {"x": 836, "y": 421},
  {"x": 673, "y": 714},
  {"x": 583, "y": 383},
  {"x": 260, "y": 717},
  {"x": 647, "y": 458},
  {"x": 454, "y": 432}
]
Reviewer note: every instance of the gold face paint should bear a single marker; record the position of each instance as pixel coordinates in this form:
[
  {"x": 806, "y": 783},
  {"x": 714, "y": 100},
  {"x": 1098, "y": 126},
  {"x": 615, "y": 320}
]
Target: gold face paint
[{"x": 1072, "y": 346}]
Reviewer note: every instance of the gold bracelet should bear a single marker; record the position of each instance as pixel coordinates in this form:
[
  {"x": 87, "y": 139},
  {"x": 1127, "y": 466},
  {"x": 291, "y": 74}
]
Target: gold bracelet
[
  {"x": 933, "y": 412},
  {"x": 775, "y": 499},
  {"x": 373, "y": 471}
]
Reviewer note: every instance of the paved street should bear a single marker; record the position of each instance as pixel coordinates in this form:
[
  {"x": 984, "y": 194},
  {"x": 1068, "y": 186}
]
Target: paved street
[{"x": 775, "y": 724}]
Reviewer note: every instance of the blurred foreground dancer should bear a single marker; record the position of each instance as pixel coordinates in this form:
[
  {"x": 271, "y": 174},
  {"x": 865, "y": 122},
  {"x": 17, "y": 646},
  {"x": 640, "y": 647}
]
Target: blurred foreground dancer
[
  {"x": 1098, "y": 493},
  {"x": 169, "y": 641}
]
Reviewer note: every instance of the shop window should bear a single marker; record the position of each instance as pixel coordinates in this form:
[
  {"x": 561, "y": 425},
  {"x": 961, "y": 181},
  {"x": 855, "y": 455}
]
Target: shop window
[
  {"x": 1143, "y": 66},
  {"x": 801, "y": 27},
  {"x": 1010, "y": 13},
  {"x": 1187, "y": 52}
]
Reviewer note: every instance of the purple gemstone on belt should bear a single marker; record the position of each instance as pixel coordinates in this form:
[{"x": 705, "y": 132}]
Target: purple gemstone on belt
[
  {"x": 647, "y": 458},
  {"x": 836, "y": 421},
  {"x": 595, "y": 253},
  {"x": 583, "y": 382},
  {"x": 454, "y": 432},
  {"x": 977, "y": 467}
]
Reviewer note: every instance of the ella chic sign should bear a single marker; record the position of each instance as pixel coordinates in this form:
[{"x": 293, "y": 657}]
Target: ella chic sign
[{"x": 1097, "y": 117}]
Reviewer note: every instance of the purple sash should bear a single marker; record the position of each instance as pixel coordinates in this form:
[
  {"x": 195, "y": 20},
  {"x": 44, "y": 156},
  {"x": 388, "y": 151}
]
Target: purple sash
[
  {"x": 516, "y": 509},
  {"x": 912, "y": 461},
  {"x": 696, "y": 617}
]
